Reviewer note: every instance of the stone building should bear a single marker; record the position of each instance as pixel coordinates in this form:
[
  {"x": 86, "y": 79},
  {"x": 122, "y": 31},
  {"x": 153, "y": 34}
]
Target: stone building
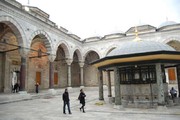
[{"x": 34, "y": 49}]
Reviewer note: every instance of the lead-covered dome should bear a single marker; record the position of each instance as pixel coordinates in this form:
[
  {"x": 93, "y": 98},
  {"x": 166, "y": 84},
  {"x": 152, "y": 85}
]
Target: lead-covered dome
[
  {"x": 167, "y": 23},
  {"x": 135, "y": 47}
]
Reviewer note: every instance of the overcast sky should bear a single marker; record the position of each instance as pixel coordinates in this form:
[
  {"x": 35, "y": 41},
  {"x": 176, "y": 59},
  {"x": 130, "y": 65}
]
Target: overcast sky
[{"x": 88, "y": 18}]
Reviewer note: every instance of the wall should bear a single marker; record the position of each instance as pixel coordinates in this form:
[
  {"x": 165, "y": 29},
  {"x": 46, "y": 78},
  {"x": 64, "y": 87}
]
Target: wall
[
  {"x": 1, "y": 79},
  {"x": 91, "y": 76},
  {"x": 75, "y": 75},
  {"x": 62, "y": 74},
  {"x": 32, "y": 68}
]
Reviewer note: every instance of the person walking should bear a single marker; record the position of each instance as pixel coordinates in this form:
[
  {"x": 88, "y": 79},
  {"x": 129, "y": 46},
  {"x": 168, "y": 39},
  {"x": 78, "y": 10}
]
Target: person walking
[
  {"x": 66, "y": 100},
  {"x": 37, "y": 87},
  {"x": 81, "y": 98}
]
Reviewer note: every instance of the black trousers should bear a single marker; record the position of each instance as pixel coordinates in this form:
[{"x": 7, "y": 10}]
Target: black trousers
[
  {"x": 64, "y": 107},
  {"x": 82, "y": 107},
  {"x": 174, "y": 95}
]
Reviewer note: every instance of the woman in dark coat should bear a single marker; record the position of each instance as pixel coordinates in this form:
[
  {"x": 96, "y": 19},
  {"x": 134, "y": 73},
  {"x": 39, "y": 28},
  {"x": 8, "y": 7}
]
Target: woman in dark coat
[{"x": 81, "y": 98}]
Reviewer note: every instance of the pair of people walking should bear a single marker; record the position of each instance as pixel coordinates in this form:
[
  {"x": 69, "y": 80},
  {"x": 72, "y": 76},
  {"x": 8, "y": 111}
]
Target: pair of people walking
[{"x": 66, "y": 100}]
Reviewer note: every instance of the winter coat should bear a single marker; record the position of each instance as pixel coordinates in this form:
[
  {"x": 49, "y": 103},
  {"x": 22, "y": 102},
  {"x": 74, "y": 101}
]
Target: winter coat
[
  {"x": 81, "y": 98},
  {"x": 66, "y": 97}
]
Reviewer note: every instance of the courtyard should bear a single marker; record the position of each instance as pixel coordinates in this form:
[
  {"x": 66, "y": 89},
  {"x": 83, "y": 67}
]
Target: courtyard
[{"x": 44, "y": 106}]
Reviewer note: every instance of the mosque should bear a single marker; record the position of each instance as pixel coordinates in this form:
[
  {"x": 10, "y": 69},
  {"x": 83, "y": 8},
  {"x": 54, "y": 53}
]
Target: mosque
[{"x": 142, "y": 64}]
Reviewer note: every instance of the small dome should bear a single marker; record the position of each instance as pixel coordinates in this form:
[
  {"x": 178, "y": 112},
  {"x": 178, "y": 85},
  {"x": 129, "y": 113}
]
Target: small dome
[
  {"x": 167, "y": 23},
  {"x": 135, "y": 47}
]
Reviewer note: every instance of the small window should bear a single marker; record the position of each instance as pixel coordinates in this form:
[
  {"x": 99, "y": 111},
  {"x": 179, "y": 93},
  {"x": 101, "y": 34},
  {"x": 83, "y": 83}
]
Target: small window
[{"x": 138, "y": 74}]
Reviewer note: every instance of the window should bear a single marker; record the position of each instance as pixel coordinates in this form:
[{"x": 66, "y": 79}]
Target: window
[{"x": 138, "y": 74}]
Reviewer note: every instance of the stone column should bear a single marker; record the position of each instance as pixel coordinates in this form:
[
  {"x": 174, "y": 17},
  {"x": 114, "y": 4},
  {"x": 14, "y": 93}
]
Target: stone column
[
  {"x": 51, "y": 75},
  {"x": 101, "y": 94},
  {"x": 69, "y": 61},
  {"x": 23, "y": 74},
  {"x": 178, "y": 77},
  {"x": 7, "y": 88},
  {"x": 23, "y": 70},
  {"x": 109, "y": 84},
  {"x": 117, "y": 86},
  {"x": 161, "y": 96},
  {"x": 51, "y": 58},
  {"x": 81, "y": 64}
]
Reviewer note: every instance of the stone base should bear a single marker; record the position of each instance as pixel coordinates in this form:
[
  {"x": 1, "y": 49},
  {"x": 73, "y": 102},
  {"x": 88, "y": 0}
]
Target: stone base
[
  {"x": 161, "y": 108},
  {"x": 69, "y": 88},
  {"x": 119, "y": 107},
  {"x": 7, "y": 90},
  {"x": 124, "y": 103},
  {"x": 52, "y": 91},
  {"x": 81, "y": 86},
  {"x": 111, "y": 100},
  {"x": 23, "y": 92},
  {"x": 105, "y": 86},
  {"x": 170, "y": 103},
  {"x": 176, "y": 100}
]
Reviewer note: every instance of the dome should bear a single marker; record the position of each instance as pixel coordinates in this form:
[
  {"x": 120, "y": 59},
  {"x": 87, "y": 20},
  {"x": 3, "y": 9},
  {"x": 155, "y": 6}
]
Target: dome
[
  {"x": 167, "y": 23},
  {"x": 135, "y": 47}
]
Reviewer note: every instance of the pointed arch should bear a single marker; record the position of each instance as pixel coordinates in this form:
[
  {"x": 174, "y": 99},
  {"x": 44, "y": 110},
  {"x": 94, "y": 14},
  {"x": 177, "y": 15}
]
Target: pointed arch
[
  {"x": 171, "y": 39},
  {"x": 79, "y": 54},
  {"x": 47, "y": 40},
  {"x": 16, "y": 28},
  {"x": 65, "y": 47},
  {"x": 90, "y": 50},
  {"x": 109, "y": 49},
  {"x": 174, "y": 42}
]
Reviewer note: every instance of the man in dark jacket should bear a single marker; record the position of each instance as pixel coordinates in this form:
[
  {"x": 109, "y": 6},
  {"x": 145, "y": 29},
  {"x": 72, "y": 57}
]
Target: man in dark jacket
[
  {"x": 66, "y": 101},
  {"x": 82, "y": 99}
]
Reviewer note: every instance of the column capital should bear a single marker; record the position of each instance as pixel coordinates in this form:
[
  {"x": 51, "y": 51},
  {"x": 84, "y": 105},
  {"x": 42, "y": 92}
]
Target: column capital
[
  {"x": 51, "y": 57},
  {"x": 69, "y": 61},
  {"x": 81, "y": 64},
  {"x": 23, "y": 52}
]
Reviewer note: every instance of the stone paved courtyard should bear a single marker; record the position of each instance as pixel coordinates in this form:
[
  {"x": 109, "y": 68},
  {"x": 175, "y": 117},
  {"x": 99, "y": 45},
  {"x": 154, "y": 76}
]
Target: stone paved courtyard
[{"x": 50, "y": 108}]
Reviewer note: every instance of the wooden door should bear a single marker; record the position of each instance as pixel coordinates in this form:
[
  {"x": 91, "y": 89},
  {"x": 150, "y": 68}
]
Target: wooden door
[
  {"x": 38, "y": 77},
  {"x": 55, "y": 78},
  {"x": 171, "y": 74}
]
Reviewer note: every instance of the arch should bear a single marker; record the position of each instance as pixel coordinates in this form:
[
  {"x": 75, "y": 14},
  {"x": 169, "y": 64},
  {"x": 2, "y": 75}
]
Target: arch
[
  {"x": 90, "y": 50},
  {"x": 171, "y": 39},
  {"x": 65, "y": 47},
  {"x": 109, "y": 49},
  {"x": 174, "y": 44},
  {"x": 16, "y": 28},
  {"x": 47, "y": 40},
  {"x": 77, "y": 50}
]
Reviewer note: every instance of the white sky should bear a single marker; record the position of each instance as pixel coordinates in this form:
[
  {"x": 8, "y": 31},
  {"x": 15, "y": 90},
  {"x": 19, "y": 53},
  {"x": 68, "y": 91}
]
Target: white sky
[{"x": 88, "y": 18}]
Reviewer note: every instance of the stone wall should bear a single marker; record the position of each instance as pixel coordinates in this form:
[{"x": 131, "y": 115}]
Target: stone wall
[
  {"x": 75, "y": 75},
  {"x": 31, "y": 76},
  {"x": 1, "y": 79},
  {"x": 62, "y": 74},
  {"x": 138, "y": 95},
  {"x": 91, "y": 76}
]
